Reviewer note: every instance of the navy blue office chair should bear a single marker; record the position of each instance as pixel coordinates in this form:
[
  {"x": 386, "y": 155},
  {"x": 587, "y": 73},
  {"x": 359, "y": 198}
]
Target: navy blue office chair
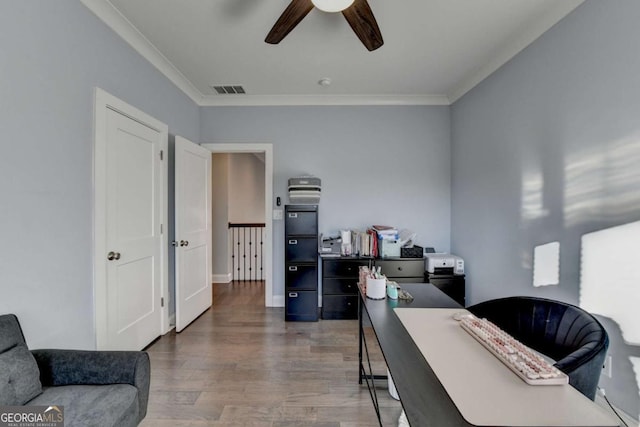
[{"x": 569, "y": 335}]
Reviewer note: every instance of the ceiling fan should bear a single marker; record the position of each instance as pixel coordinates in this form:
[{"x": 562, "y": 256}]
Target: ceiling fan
[{"x": 357, "y": 13}]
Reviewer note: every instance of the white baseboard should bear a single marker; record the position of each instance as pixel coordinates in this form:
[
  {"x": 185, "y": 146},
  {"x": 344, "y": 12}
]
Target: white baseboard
[{"x": 221, "y": 278}]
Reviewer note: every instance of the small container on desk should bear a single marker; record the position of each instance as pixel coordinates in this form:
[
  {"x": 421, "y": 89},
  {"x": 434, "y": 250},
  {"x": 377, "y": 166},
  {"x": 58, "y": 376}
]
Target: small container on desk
[
  {"x": 376, "y": 288},
  {"x": 389, "y": 248},
  {"x": 414, "y": 251}
]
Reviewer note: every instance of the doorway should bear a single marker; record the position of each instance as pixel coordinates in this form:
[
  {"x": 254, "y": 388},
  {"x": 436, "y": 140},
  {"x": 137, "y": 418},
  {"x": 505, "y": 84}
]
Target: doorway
[{"x": 265, "y": 151}]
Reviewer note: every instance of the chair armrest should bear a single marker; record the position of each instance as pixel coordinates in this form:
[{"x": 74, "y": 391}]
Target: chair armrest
[
  {"x": 81, "y": 367},
  {"x": 583, "y": 367}
]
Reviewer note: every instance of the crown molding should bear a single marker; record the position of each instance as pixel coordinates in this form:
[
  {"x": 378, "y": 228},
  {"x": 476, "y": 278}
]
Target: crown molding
[
  {"x": 310, "y": 100},
  {"x": 104, "y": 10},
  {"x": 515, "y": 46},
  {"x": 111, "y": 16}
]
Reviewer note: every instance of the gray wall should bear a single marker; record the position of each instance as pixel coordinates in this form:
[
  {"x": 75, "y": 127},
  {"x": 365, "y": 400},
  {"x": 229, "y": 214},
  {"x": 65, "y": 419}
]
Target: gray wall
[
  {"x": 220, "y": 213},
  {"x": 388, "y": 165},
  {"x": 246, "y": 188},
  {"x": 547, "y": 149},
  {"x": 52, "y": 55}
]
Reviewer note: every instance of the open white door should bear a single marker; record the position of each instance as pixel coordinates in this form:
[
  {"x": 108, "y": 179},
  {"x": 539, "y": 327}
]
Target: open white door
[
  {"x": 192, "y": 231},
  {"x": 129, "y": 207}
]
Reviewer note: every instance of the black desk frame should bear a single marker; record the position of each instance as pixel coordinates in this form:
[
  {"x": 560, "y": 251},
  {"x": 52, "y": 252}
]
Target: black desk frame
[
  {"x": 404, "y": 360},
  {"x": 363, "y": 374}
]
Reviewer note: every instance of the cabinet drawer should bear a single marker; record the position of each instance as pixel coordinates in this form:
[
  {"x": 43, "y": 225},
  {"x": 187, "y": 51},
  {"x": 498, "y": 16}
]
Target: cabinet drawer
[
  {"x": 300, "y": 223},
  {"x": 301, "y": 249},
  {"x": 339, "y": 307},
  {"x": 301, "y": 277},
  {"x": 453, "y": 290},
  {"x": 453, "y": 286},
  {"x": 342, "y": 268},
  {"x": 402, "y": 268},
  {"x": 344, "y": 286},
  {"x": 301, "y": 305}
]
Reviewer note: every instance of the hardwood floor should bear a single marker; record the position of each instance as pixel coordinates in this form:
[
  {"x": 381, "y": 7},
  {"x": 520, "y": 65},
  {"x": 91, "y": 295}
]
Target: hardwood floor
[{"x": 241, "y": 364}]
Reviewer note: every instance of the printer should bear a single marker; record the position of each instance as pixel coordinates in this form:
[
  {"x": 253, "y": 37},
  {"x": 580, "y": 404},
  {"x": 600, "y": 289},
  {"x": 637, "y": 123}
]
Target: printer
[
  {"x": 444, "y": 264},
  {"x": 446, "y": 272}
]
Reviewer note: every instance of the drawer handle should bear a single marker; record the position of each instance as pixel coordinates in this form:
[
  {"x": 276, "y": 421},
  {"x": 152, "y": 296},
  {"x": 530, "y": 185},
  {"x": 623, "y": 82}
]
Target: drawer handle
[
  {"x": 293, "y": 215},
  {"x": 293, "y": 268},
  {"x": 293, "y": 295},
  {"x": 399, "y": 268},
  {"x": 293, "y": 242}
]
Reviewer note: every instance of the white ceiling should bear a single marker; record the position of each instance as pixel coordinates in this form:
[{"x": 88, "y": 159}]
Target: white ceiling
[{"x": 434, "y": 50}]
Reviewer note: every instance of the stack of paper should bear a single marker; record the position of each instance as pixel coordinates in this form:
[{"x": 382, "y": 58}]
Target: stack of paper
[{"x": 386, "y": 232}]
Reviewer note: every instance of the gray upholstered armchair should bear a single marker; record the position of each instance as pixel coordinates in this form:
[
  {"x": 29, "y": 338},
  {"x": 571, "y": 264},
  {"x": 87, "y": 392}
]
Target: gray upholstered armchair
[
  {"x": 96, "y": 388},
  {"x": 566, "y": 333}
]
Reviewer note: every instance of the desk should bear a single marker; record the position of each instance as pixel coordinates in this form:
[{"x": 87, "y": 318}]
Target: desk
[{"x": 424, "y": 398}]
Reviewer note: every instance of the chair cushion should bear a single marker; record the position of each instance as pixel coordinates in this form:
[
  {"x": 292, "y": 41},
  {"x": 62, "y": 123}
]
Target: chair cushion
[
  {"x": 93, "y": 405},
  {"x": 19, "y": 376},
  {"x": 10, "y": 332}
]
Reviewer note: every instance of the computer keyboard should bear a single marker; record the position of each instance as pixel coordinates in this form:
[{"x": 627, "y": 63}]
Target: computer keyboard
[{"x": 522, "y": 360}]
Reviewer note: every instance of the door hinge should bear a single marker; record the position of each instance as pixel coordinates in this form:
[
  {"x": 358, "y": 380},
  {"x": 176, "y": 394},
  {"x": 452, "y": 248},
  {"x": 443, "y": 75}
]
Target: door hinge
[
  {"x": 161, "y": 154},
  {"x": 161, "y": 228},
  {"x": 162, "y": 302}
]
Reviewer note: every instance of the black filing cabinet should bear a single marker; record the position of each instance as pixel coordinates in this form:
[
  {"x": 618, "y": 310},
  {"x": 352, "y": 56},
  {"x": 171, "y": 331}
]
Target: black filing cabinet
[
  {"x": 340, "y": 287},
  {"x": 301, "y": 262}
]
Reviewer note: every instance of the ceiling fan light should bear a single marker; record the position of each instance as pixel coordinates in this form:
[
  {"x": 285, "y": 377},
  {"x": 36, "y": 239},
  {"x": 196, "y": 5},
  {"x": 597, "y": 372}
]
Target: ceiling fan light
[{"x": 332, "y": 5}]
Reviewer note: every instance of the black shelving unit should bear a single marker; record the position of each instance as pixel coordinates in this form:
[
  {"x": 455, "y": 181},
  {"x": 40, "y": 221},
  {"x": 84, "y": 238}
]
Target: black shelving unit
[
  {"x": 301, "y": 262},
  {"x": 340, "y": 281},
  {"x": 340, "y": 286}
]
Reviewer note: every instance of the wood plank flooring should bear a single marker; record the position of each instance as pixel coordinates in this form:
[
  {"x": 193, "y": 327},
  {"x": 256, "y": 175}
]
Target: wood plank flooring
[{"x": 241, "y": 364}]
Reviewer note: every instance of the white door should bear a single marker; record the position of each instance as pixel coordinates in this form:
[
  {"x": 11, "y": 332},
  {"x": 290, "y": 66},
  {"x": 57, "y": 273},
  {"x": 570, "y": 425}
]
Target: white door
[
  {"x": 192, "y": 231},
  {"x": 129, "y": 201}
]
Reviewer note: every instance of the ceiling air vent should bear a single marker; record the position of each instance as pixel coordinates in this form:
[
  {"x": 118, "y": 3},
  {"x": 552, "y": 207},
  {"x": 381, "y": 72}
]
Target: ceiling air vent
[{"x": 229, "y": 90}]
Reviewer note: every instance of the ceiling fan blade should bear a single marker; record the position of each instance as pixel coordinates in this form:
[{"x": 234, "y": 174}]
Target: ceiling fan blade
[
  {"x": 363, "y": 23},
  {"x": 292, "y": 15}
]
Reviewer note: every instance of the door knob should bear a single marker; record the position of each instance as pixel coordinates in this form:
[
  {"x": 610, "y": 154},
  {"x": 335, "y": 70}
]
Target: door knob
[
  {"x": 184, "y": 243},
  {"x": 113, "y": 255}
]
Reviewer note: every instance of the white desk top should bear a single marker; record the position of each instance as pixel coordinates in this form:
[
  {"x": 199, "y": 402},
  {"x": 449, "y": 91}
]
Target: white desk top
[{"x": 485, "y": 391}]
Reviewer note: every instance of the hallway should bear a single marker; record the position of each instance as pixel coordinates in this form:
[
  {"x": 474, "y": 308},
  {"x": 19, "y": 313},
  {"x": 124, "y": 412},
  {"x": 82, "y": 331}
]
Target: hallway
[{"x": 241, "y": 364}]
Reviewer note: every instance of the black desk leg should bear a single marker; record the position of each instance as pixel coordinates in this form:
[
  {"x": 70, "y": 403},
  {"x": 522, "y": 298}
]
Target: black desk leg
[
  {"x": 360, "y": 336},
  {"x": 368, "y": 377}
]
